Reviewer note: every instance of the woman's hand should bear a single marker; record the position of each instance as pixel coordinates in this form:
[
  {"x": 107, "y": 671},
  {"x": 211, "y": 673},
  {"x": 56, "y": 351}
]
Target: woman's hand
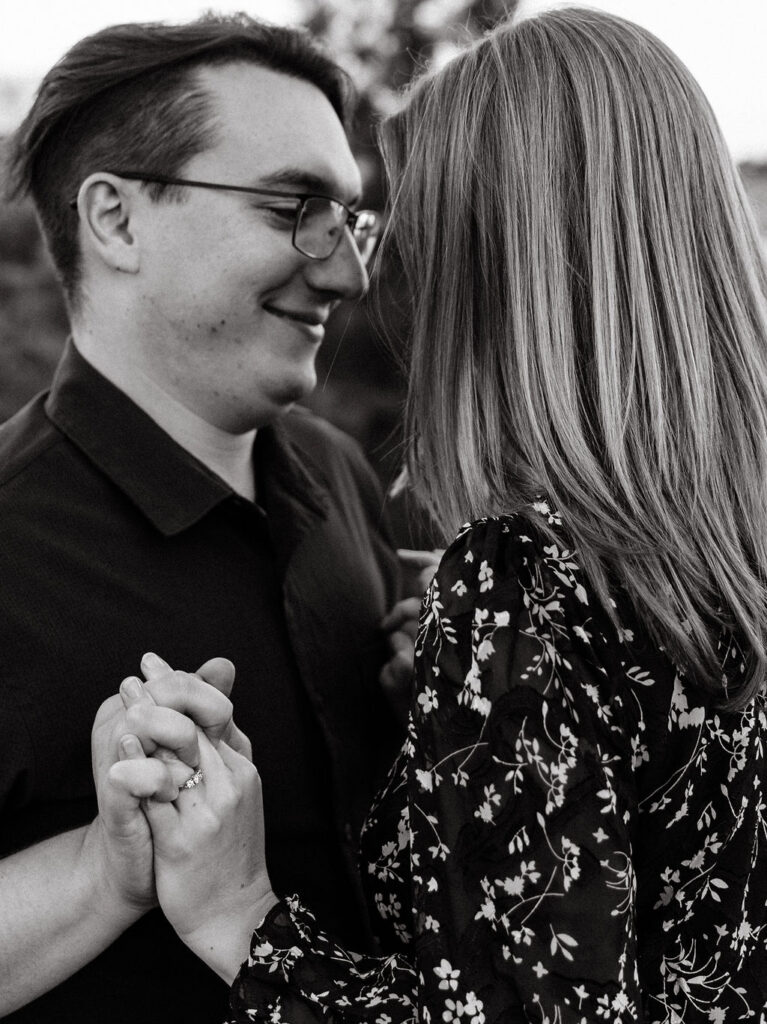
[
  {"x": 401, "y": 627},
  {"x": 209, "y": 865},
  {"x": 117, "y": 847}
]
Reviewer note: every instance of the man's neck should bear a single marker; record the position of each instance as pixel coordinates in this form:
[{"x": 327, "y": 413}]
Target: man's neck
[{"x": 228, "y": 455}]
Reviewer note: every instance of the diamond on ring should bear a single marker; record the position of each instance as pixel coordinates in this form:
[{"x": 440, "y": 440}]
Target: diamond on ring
[{"x": 193, "y": 780}]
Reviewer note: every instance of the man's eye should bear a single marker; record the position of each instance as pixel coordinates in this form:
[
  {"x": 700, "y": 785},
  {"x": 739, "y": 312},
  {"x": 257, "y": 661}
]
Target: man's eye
[{"x": 283, "y": 213}]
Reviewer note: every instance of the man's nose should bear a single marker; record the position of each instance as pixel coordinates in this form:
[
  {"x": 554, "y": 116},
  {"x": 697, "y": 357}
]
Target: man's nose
[{"x": 342, "y": 273}]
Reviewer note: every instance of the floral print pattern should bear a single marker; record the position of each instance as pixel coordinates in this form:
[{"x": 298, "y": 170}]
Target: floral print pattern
[{"x": 572, "y": 833}]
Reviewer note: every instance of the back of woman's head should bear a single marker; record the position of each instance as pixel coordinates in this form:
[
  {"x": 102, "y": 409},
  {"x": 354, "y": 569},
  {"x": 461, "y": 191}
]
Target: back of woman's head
[{"x": 589, "y": 317}]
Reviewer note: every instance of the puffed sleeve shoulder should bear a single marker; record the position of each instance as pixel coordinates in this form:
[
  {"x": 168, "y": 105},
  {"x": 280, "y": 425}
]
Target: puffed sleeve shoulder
[{"x": 521, "y": 791}]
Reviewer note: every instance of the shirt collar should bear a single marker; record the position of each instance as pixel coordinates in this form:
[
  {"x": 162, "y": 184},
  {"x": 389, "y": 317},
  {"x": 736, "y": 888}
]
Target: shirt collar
[{"x": 172, "y": 488}]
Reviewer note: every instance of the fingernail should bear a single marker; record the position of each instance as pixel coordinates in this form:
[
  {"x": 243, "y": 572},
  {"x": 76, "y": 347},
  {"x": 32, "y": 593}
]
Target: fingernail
[
  {"x": 131, "y": 688},
  {"x": 130, "y": 746},
  {"x": 154, "y": 661}
]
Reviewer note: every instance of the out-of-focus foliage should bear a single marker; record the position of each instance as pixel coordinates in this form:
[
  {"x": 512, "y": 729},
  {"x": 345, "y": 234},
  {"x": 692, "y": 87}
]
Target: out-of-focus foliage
[
  {"x": 33, "y": 320},
  {"x": 383, "y": 45}
]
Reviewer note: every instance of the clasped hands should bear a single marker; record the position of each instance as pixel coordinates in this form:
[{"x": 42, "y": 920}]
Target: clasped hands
[{"x": 198, "y": 852}]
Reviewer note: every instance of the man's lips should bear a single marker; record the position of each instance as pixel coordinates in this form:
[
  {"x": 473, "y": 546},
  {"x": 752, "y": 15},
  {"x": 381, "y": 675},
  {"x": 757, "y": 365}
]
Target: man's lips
[{"x": 300, "y": 316}]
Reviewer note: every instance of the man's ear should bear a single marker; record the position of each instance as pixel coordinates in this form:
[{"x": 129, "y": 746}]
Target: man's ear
[{"x": 104, "y": 204}]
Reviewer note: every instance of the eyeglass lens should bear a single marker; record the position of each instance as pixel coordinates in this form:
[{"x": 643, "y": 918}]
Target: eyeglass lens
[{"x": 322, "y": 223}]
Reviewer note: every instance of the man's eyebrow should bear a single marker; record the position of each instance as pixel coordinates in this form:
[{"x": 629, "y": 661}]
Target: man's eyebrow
[{"x": 294, "y": 178}]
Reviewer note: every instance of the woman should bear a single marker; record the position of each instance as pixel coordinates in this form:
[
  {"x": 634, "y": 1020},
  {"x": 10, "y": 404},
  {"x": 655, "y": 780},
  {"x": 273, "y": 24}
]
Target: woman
[{"x": 577, "y": 820}]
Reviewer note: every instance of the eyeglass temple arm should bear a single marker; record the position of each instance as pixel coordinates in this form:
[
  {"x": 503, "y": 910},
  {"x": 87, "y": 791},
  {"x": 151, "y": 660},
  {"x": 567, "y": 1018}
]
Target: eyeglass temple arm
[{"x": 163, "y": 179}]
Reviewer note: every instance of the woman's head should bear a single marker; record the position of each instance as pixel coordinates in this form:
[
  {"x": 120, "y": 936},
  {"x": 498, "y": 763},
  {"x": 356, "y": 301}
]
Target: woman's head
[{"x": 588, "y": 305}]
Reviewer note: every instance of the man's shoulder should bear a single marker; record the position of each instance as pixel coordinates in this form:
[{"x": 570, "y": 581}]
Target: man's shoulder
[{"x": 24, "y": 438}]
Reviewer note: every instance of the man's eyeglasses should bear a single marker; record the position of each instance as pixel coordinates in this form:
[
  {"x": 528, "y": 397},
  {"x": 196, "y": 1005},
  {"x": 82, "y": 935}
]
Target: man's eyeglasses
[{"x": 319, "y": 221}]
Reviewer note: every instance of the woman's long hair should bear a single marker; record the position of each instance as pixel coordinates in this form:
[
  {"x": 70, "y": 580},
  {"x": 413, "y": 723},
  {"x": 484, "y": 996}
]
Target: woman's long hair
[{"x": 588, "y": 303}]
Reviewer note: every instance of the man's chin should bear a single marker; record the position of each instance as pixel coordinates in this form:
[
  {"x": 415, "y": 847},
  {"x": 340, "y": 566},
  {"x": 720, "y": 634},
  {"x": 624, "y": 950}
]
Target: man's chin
[
  {"x": 289, "y": 393},
  {"x": 296, "y": 394}
]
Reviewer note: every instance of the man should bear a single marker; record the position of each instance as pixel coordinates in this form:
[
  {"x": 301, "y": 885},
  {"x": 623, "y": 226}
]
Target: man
[{"x": 165, "y": 495}]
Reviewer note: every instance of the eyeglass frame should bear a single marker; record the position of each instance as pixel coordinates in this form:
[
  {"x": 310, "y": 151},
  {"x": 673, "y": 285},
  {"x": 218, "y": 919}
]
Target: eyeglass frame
[{"x": 351, "y": 215}]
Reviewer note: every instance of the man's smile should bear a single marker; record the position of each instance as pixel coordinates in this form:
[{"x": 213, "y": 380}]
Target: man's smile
[{"x": 312, "y": 321}]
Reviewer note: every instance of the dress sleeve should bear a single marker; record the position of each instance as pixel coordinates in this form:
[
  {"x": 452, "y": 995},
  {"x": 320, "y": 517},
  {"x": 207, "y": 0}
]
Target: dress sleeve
[
  {"x": 520, "y": 804},
  {"x": 297, "y": 974},
  {"x": 521, "y": 792}
]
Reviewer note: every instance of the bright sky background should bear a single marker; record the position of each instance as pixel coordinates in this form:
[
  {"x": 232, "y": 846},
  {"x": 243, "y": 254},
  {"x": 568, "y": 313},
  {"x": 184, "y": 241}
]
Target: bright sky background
[{"x": 724, "y": 44}]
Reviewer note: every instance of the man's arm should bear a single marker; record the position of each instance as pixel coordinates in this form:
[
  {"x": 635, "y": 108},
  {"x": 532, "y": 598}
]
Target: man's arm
[
  {"x": 58, "y": 913},
  {"x": 64, "y": 900}
]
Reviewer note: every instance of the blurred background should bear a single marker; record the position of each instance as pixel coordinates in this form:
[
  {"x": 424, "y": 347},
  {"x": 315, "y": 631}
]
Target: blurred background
[{"x": 382, "y": 43}]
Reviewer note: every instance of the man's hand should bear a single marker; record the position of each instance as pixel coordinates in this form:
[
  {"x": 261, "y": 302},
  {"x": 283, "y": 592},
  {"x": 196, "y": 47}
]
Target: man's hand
[{"x": 401, "y": 624}]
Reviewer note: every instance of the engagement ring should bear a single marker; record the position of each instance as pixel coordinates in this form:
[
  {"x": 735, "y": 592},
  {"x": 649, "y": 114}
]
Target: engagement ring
[{"x": 193, "y": 780}]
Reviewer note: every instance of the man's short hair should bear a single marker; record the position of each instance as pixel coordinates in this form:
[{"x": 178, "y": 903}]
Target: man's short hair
[{"x": 128, "y": 96}]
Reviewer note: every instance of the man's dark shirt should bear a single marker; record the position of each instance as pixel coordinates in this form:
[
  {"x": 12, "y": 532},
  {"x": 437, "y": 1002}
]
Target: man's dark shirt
[{"x": 115, "y": 541}]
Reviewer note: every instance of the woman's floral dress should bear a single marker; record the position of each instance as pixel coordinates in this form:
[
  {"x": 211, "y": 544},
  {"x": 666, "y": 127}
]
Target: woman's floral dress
[{"x": 571, "y": 833}]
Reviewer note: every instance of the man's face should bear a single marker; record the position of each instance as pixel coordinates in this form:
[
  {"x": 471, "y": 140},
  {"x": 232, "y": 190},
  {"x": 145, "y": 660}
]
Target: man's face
[{"x": 231, "y": 313}]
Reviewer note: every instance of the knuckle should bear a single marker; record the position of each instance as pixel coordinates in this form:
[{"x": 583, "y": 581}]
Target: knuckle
[
  {"x": 135, "y": 717},
  {"x": 159, "y": 687},
  {"x": 179, "y": 679},
  {"x": 246, "y": 747},
  {"x": 188, "y": 732},
  {"x": 248, "y": 779},
  {"x": 220, "y": 703}
]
